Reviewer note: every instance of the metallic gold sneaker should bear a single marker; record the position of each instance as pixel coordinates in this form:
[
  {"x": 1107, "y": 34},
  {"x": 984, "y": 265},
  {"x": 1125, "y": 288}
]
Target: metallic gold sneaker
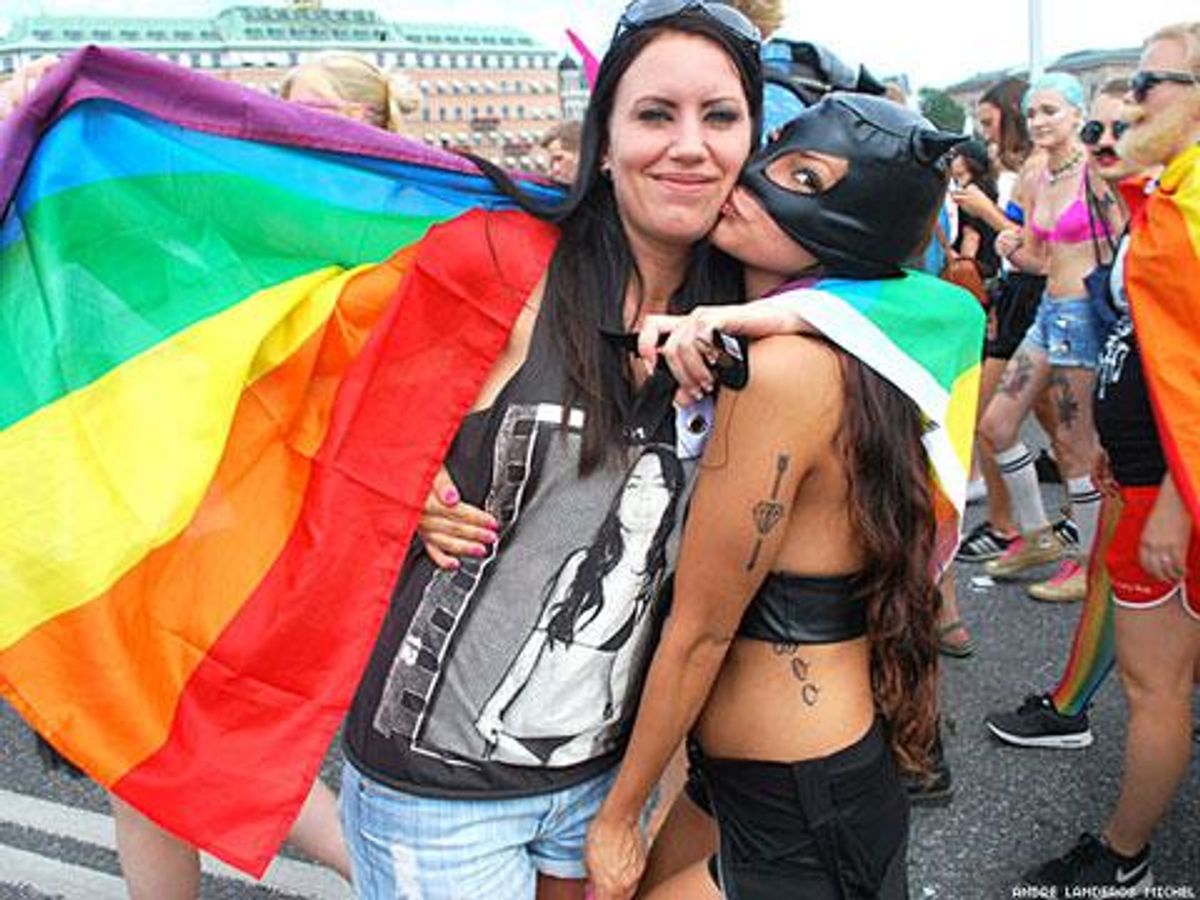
[
  {"x": 1026, "y": 552},
  {"x": 1067, "y": 585}
]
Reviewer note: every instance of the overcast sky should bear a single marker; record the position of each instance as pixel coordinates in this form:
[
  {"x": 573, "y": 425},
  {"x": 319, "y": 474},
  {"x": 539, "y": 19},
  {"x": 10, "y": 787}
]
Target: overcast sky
[{"x": 934, "y": 42}]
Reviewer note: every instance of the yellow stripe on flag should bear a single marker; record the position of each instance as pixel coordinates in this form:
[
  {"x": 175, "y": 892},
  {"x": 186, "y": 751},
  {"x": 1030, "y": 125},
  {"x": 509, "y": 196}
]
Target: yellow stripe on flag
[
  {"x": 106, "y": 474},
  {"x": 962, "y": 412}
]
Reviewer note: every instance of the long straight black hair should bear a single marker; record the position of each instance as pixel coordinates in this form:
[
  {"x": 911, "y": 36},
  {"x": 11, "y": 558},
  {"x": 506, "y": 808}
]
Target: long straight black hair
[{"x": 593, "y": 263}]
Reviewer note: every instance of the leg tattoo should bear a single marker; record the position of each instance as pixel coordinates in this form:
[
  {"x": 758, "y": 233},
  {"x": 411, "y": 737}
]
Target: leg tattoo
[
  {"x": 1017, "y": 375},
  {"x": 1064, "y": 399}
]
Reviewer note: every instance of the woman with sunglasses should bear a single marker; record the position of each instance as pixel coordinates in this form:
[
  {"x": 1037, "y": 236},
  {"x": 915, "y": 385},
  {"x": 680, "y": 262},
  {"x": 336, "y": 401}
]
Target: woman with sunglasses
[
  {"x": 801, "y": 650},
  {"x": 454, "y": 786},
  {"x": 1064, "y": 237}
]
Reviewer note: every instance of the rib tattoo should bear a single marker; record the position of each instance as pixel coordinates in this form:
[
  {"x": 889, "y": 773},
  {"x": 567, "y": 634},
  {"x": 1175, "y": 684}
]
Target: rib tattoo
[{"x": 810, "y": 691}]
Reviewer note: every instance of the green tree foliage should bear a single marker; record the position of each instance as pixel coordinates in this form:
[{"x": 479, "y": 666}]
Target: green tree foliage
[{"x": 941, "y": 109}]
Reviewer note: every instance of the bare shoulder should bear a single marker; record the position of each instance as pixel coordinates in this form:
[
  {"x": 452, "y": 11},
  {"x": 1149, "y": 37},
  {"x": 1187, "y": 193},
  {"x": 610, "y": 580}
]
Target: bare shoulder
[
  {"x": 803, "y": 364},
  {"x": 795, "y": 385}
]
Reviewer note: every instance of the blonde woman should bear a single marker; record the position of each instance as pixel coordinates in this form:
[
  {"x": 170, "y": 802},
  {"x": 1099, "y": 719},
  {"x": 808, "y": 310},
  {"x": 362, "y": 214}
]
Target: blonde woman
[
  {"x": 1064, "y": 237},
  {"x": 349, "y": 85}
]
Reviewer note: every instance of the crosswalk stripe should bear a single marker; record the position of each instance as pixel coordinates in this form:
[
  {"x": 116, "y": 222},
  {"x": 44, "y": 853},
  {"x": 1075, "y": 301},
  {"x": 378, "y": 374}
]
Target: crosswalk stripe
[
  {"x": 52, "y": 876},
  {"x": 286, "y": 875}
]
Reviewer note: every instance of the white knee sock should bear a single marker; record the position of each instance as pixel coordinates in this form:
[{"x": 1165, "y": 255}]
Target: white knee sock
[
  {"x": 1020, "y": 477},
  {"x": 1085, "y": 510}
]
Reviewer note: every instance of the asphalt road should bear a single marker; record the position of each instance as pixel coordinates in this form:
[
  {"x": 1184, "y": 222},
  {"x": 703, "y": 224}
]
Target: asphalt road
[{"x": 1013, "y": 807}]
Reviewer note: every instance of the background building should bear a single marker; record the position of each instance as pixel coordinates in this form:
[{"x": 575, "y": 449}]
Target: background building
[
  {"x": 573, "y": 89},
  {"x": 1092, "y": 67},
  {"x": 491, "y": 90}
]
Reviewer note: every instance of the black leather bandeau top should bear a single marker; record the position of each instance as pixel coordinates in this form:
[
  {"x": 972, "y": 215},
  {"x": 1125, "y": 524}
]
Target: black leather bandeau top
[{"x": 805, "y": 609}]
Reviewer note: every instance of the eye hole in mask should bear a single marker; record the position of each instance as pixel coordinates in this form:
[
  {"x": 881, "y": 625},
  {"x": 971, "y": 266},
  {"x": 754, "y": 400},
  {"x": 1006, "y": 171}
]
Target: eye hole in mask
[{"x": 807, "y": 172}]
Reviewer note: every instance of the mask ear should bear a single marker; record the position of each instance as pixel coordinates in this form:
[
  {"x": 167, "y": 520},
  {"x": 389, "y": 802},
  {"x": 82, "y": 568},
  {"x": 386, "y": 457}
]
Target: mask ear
[{"x": 930, "y": 146}]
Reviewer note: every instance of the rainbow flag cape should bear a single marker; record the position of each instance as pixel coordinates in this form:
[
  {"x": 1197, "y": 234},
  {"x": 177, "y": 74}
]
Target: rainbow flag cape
[
  {"x": 1162, "y": 278},
  {"x": 223, "y": 396},
  {"x": 923, "y": 335}
]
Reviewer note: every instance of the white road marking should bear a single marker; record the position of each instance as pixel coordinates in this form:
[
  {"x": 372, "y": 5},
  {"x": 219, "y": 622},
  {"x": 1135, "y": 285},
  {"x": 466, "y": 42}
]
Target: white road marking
[
  {"x": 52, "y": 876},
  {"x": 287, "y": 875}
]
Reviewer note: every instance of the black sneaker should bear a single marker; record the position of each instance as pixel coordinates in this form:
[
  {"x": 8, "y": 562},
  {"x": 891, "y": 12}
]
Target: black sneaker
[
  {"x": 1067, "y": 531},
  {"x": 1038, "y": 724},
  {"x": 1047, "y": 469},
  {"x": 982, "y": 544},
  {"x": 1091, "y": 863}
]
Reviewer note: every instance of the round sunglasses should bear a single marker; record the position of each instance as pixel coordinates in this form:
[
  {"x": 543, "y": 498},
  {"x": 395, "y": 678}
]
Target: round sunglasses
[{"x": 1092, "y": 131}]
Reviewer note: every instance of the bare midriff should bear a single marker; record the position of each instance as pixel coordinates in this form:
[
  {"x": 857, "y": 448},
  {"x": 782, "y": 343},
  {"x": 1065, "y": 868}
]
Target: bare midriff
[
  {"x": 1069, "y": 265},
  {"x": 788, "y": 702}
]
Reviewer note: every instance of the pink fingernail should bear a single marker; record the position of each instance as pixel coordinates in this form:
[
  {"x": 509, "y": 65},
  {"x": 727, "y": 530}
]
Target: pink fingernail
[
  {"x": 451, "y": 496},
  {"x": 478, "y": 551},
  {"x": 491, "y": 537}
]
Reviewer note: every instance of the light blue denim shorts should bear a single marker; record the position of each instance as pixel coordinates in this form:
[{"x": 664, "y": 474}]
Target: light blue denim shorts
[
  {"x": 408, "y": 847},
  {"x": 1070, "y": 331}
]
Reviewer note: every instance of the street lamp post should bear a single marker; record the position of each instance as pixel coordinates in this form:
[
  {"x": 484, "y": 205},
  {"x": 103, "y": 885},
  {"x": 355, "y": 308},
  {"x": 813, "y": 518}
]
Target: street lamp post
[{"x": 1036, "y": 65}]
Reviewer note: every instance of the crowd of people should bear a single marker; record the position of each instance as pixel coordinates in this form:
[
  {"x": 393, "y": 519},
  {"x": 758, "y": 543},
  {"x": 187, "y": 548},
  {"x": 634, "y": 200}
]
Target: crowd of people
[{"x": 656, "y": 551}]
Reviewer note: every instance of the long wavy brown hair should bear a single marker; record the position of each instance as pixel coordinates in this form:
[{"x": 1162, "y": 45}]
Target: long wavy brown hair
[{"x": 891, "y": 506}]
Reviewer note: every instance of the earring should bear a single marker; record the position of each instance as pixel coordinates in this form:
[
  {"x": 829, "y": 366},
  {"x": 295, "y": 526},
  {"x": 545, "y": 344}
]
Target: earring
[{"x": 606, "y": 170}]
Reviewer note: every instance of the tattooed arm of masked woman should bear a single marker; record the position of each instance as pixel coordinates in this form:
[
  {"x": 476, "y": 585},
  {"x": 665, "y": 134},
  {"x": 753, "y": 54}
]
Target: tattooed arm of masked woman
[{"x": 767, "y": 440}]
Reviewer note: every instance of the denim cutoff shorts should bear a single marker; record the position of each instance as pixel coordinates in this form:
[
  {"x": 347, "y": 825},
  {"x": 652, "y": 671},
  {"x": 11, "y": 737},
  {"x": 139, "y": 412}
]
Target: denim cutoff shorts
[
  {"x": 410, "y": 847},
  {"x": 1070, "y": 331}
]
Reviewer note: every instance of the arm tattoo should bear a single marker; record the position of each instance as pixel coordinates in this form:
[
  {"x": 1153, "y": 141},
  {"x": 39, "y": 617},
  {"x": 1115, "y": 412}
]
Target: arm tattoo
[
  {"x": 1017, "y": 375},
  {"x": 810, "y": 691},
  {"x": 767, "y": 513},
  {"x": 1068, "y": 406}
]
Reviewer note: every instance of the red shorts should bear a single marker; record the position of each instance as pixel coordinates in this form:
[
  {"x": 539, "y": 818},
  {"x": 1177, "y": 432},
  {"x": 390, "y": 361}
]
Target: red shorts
[{"x": 1132, "y": 585}]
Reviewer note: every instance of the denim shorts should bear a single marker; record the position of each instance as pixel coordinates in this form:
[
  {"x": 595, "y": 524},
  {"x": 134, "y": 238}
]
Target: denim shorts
[
  {"x": 1069, "y": 331},
  {"x": 409, "y": 847}
]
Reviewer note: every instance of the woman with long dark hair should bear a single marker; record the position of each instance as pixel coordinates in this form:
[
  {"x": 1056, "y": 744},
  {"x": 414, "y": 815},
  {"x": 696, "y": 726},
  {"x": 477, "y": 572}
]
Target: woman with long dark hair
[
  {"x": 976, "y": 238},
  {"x": 571, "y": 679},
  {"x": 801, "y": 648},
  {"x": 435, "y": 805}
]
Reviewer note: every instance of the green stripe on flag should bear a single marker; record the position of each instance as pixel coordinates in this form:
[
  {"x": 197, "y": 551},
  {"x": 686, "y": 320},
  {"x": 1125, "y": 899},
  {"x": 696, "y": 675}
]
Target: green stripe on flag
[
  {"x": 906, "y": 310},
  {"x": 108, "y": 270}
]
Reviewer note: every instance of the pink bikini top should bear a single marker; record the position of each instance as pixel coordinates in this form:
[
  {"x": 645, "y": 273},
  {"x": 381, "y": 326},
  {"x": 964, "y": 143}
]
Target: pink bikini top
[{"x": 1074, "y": 224}]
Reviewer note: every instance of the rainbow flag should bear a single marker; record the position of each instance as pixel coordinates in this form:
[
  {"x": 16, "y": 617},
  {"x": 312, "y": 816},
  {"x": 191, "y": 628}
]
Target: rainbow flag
[
  {"x": 223, "y": 397},
  {"x": 924, "y": 335},
  {"x": 1162, "y": 277}
]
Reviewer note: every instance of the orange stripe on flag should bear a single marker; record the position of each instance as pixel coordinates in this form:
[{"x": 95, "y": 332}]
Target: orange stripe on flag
[{"x": 1163, "y": 281}]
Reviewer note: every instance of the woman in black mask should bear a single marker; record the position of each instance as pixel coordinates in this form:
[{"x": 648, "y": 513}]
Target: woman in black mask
[{"x": 801, "y": 652}]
